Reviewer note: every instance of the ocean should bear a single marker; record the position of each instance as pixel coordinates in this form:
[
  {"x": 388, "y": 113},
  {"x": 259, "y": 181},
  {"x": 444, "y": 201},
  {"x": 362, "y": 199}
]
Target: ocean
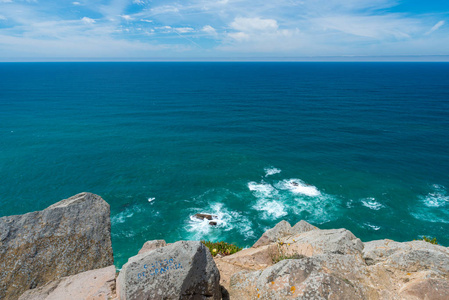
[{"x": 362, "y": 146}]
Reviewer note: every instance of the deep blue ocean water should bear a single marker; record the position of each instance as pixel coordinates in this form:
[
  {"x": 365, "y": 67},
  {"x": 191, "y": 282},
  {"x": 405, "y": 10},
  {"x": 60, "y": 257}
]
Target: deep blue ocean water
[{"x": 357, "y": 145}]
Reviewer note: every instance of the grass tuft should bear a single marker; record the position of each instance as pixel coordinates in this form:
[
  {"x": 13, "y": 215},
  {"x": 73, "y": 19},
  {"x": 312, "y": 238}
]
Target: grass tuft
[
  {"x": 429, "y": 240},
  {"x": 221, "y": 248}
]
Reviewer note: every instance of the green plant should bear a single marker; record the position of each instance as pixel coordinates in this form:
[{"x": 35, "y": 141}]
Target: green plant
[
  {"x": 221, "y": 248},
  {"x": 429, "y": 240},
  {"x": 278, "y": 258}
]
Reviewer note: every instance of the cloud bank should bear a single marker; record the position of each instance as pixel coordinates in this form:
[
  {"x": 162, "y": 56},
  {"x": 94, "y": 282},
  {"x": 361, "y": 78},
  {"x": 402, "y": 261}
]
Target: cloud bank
[{"x": 141, "y": 29}]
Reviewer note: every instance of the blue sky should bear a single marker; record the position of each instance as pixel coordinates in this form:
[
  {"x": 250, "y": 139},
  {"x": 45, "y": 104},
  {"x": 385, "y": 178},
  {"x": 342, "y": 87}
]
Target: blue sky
[{"x": 222, "y": 29}]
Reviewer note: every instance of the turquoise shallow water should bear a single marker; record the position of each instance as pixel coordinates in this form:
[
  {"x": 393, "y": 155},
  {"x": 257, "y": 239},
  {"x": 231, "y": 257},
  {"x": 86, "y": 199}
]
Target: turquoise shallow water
[{"x": 357, "y": 145}]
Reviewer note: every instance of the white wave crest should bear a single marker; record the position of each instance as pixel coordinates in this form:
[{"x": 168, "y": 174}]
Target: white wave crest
[
  {"x": 437, "y": 197},
  {"x": 371, "y": 203},
  {"x": 433, "y": 206},
  {"x": 374, "y": 227},
  {"x": 226, "y": 220},
  {"x": 271, "y": 171},
  {"x": 270, "y": 208},
  {"x": 297, "y": 186},
  {"x": 263, "y": 189}
]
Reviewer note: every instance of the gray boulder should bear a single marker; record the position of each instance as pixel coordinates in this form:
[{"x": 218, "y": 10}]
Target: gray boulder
[
  {"x": 151, "y": 245},
  {"x": 337, "y": 241},
  {"x": 90, "y": 285},
  {"x": 408, "y": 256},
  {"x": 281, "y": 230},
  {"x": 183, "y": 270},
  {"x": 67, "y": 238},
  {"x": 292, "y": 279},
  {"x": 302, "y": 226}
]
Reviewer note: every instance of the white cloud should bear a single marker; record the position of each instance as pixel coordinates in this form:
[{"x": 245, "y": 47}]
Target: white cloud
[
  {"x": 127, "y": 17},
  {"x": 376, "y": 27},
  {"x": 165, "y": 9},
  {"x": 239, "y": 36},
  {"x": 183, "y": 29},
  {"x": 209, "y": 30},
  {"x": 254, "y": 24},
  {"x": 435, "y": 27},
  {"x": 272, "y": 28},
  {"x": 87, "y": 20}
]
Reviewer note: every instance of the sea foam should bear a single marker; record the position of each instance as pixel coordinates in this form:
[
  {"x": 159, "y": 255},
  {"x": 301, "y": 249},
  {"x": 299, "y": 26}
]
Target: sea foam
[
  {"x": 226, "y": 220},
  {"x": 271, "y": 171},
  {"x": 437, "y": 197},
  {"x": 297, "y": 186},
  {"x": 371, "y": 203},
  {"x": 433, "y": 206}
]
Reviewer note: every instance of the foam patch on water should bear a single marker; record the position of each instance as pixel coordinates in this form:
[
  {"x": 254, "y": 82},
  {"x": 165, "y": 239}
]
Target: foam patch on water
[
  {"x": 297, "y": 186},
  {"x": 271, "y": 171},
  {"x": 277, "y": 199},
  {"x": 262, "y": 189},
  {"x": 374, "y": 227},
  {"x": 371, "y": 203},
  {"x": 126, "y": 214},
  {"x": 437, "y": 198},
  {"x": 226, "y": 220},
  {"x": 271, "y": 208},
  {"x": 433, "y": 206}
]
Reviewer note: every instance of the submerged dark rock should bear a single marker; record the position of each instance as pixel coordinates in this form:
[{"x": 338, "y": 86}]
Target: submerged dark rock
[{"x": 205, "y": 216}]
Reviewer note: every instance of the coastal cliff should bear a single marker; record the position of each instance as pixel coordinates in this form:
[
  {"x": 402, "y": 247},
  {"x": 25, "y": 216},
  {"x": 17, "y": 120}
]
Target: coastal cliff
[{"x": 64, "y": 252}]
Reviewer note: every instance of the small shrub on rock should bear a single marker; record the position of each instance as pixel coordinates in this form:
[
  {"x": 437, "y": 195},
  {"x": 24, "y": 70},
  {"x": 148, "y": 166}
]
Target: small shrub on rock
[
  {"x": 221, "y": 248},
  {"x": 429, "y": 240}
]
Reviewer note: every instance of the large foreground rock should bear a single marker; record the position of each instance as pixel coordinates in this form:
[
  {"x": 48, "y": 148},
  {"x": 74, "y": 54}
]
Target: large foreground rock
[
  {"x": 69, "y": 237},
  {"x": 309, "y": 263},
  {"x": 281, "y": 230},
  {"x": 292, "y": 279},
  {"x": 183, "y": 270},
  {"x": 90, "y": 285}
]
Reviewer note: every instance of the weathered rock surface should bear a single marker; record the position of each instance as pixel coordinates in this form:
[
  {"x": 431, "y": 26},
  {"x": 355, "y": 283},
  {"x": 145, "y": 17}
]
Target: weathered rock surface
[
  {"x": 151, "y": 245},
  {"x": 69, "y": 237},
  {"x": 292, "y": 279},
  {"x": 339, "y": 241},
  {"x": 91, "y": 285},
  {"x": 183, "y": 270},
  {"x": 334, "y": 264},
  {"x": 281, "y": 230},
  {"x": 408, "y": 256}
]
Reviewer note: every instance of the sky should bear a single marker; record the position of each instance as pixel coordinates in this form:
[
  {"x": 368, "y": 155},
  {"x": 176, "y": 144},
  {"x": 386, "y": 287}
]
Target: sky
[{"x": 43, "y": 30}]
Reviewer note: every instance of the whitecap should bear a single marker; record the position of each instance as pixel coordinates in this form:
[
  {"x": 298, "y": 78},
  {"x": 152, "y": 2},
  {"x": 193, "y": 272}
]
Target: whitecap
[
  {"x": 262, "y": 189},
  {"x": 270, "y": 208},
  {"x": 433, "y": 206},
  {"x": 225, "y": 219},
  {"x": 374, "y": 227},
  {"x": 437, "y": 197},
  {"x": 371, "y": 203},
  {"x": 271, "y": 171},
  {"x": 297, "y": 186},
  {"x": 122, "y": 216}
]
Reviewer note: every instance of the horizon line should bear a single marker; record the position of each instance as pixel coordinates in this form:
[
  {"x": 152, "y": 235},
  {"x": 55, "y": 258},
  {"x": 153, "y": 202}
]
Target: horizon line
[{"x": 348, "y": 58}]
